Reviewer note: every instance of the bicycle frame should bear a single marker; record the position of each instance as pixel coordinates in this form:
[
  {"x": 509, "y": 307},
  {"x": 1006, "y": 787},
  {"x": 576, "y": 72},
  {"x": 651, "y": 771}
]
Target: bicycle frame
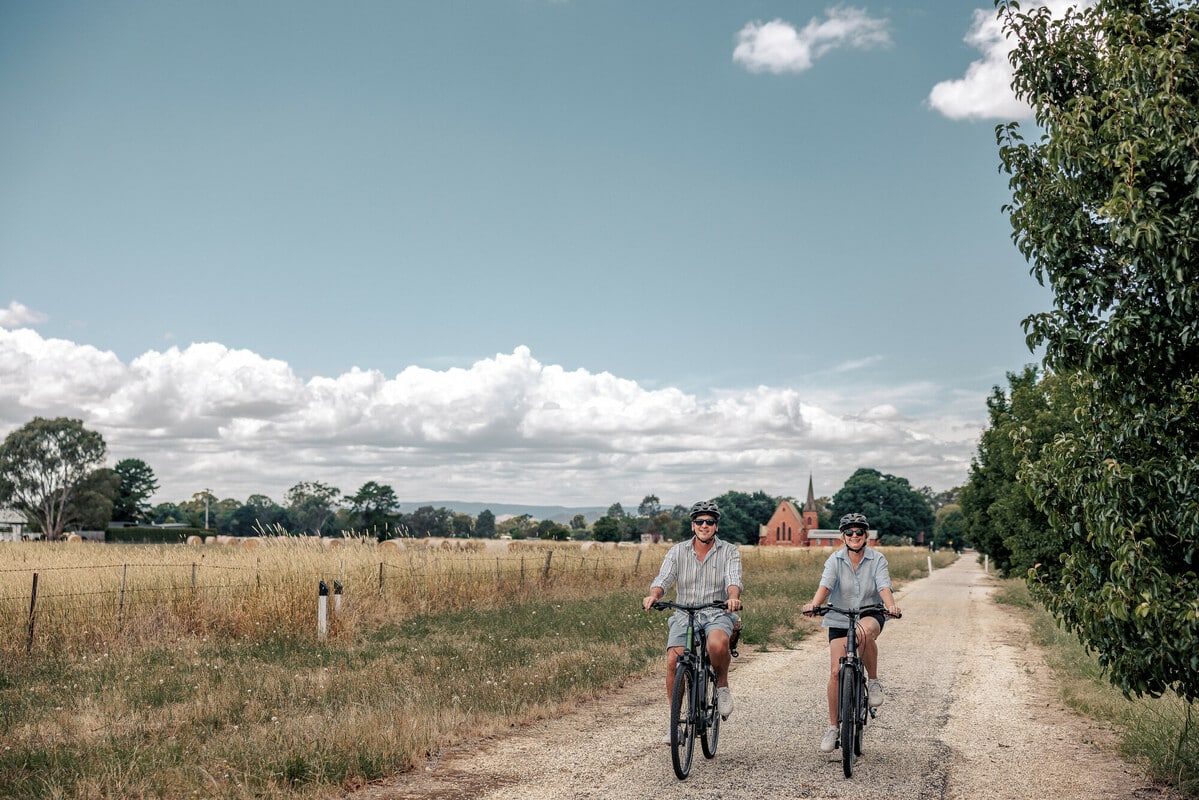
[
  {"x": 693, "y": 712},
  {"x": 853, "y": 705}
]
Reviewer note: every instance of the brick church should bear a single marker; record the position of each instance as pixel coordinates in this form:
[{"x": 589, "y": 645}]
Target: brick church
[{"x": 788, "y": 527}]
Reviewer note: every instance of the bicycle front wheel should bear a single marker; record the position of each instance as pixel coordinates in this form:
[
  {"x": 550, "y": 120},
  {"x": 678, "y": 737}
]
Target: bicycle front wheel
[
  {"x": 711, "y": 718},
  {"x": 863, "y": 710},
  {"x": 847, "y": 684},
  {"x": 682, "y": 721}
]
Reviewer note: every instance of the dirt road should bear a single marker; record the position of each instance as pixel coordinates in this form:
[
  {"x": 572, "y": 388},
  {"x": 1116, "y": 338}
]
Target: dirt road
[{"x": 967, "y": 716}]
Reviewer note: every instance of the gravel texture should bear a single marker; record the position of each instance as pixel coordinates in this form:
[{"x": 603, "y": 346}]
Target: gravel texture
[{"x": 968, "y": 715}]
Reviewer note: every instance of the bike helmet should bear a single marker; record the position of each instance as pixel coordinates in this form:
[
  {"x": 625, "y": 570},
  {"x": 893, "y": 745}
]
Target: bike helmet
[
  {"x": 705, "y": 507},
  {"x": 854, "y": 521}
]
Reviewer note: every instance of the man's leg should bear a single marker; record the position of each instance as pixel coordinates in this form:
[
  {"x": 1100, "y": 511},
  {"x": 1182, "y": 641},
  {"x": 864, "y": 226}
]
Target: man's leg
[{"x": 672, "y": 661}]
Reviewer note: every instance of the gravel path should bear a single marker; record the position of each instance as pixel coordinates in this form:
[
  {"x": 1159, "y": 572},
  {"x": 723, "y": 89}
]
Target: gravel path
[{"x": 967, "y": 717}]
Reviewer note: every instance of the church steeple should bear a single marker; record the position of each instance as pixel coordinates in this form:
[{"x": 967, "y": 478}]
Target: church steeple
[{"x": 810, "y": 505}]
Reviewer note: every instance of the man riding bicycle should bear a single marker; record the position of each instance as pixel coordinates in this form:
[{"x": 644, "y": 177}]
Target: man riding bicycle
[
  {"x": 706, "y": 569},
  {"x": 853, "y": 577}
]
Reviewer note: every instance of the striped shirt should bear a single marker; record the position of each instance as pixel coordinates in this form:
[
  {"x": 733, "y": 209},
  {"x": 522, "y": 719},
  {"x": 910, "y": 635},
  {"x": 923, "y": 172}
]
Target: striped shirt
[
  {"x": 698, "y": 581},
  {"x": 850, "y": 589}
]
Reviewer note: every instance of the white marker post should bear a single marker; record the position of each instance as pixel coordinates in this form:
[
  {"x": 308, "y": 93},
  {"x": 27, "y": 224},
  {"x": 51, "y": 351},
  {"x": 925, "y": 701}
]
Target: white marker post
[
  {"x": 930, "y": 565},
  {"x": 322, "y": 612}
]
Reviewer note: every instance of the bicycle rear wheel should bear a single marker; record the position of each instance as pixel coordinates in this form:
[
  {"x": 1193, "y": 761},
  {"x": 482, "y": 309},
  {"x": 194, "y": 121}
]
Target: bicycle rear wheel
[
  {"x": 847, "y": 707},
  {"x": 711, "y": 718},
  {"x": 682, "y": 722}
]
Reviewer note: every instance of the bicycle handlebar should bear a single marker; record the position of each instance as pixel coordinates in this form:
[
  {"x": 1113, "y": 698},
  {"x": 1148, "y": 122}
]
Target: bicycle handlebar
[
  {"x": 870, "y": 609},
  {"x": 662, "y": 605}
]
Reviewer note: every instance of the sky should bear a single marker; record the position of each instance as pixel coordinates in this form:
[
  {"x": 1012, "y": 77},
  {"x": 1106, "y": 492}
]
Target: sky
[{"x": 566, "y": 252}]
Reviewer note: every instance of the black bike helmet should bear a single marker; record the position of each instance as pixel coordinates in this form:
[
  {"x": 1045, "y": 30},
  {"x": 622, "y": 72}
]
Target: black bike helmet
[
  {"x": 854, "y": 521},
  {"x": 705, "y": 507}
]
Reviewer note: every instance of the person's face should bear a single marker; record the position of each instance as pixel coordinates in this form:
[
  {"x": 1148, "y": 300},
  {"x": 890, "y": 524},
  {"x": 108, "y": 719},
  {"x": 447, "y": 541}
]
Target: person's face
[
  {"x": 704, "y": 528},
  {"x": 855, "y": 538}
]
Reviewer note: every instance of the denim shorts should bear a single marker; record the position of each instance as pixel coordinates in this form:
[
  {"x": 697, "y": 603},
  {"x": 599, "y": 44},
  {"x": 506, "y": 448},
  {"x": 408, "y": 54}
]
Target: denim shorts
[{"x": 708, "y": 620}]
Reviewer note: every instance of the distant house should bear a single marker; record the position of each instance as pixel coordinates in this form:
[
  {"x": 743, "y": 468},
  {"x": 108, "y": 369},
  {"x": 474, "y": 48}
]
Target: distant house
[
  {"x": 789, "y": 527},
  {"x": 12, "y": 525}
]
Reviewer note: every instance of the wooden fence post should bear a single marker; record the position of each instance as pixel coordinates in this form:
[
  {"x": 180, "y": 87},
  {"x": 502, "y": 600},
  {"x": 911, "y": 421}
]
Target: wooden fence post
[
  {"x": 32, "y": 610},
  {"x": 545, "y": 573}
]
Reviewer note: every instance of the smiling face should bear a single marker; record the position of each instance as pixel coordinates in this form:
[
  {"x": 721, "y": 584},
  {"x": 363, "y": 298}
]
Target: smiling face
[{"x": 704, "y": 528}]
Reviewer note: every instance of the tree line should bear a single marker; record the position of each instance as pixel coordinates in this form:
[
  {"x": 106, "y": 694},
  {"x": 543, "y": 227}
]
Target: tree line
[{"x": 52, "y": 471}]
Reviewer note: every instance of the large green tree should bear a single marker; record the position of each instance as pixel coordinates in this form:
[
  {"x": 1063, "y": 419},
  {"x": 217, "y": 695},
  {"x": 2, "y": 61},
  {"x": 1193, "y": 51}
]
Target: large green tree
[
  {"x": 375, "y": 505},
  {"x": 43, "y": 464},
  {"x": 742, "y": 515},
  {"x": 894, "y": 508},
  {"x": 1105, "y": 206},
  {"x": 1001, "y": 518},
  {"x": 137, "y": 486},
  {"x": 311, "y": 506}
]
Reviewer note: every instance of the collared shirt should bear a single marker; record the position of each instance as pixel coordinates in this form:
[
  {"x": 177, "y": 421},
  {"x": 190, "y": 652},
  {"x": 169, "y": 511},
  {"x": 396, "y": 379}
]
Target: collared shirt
[
  {"x": 699, "y": 581},
  {"x": 853, "y": 589}
]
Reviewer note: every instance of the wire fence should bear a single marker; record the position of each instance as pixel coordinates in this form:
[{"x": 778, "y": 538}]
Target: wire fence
[{"x": 67, "y": 601}]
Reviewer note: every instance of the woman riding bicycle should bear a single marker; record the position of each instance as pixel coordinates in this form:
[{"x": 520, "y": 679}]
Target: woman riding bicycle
[
  {"x": 706, "y": 569},
  {"x": 853, "y": 577}
]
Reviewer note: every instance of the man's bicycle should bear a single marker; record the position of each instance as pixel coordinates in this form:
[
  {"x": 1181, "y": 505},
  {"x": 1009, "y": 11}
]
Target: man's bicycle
[
  {"x": 693, "y": 708},
  {"x": 853, "y": 694}
]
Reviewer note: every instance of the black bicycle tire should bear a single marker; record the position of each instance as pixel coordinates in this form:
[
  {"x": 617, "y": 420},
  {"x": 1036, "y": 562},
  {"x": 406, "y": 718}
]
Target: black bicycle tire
[
  {"x": 682, "y": 722},
  {"x": 710, "y": 737},
  {"x": 847, "y": 717},
  {"x": 862, "y": 713}
]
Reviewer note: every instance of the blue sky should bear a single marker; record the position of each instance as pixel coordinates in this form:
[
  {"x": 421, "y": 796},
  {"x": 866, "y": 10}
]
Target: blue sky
[{"x": 551, "y": 251}]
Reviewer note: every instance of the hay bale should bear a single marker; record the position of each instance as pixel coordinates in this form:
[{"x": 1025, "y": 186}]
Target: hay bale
[
  {"x": 250, "y": 542},
  {"x": 74, "y": 537},
  {"x": 193, "y": 539},
  {"x": 392, "y": 544},
  {"x": 331, "y": 543}
]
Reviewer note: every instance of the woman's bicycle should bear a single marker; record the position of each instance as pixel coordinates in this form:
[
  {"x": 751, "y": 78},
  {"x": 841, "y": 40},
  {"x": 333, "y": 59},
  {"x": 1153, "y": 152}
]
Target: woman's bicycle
[
  {"x": 853, "y": 692},
  {"x": 693, "y": 707}
]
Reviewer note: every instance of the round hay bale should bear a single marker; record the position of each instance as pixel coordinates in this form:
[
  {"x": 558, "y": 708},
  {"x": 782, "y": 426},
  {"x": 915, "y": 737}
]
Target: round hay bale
[
  {"x": 193, "y": 539},
  {"x": 331, "y": 543},
  {"x": 210, "y": 540},
  {"x": 74, "y": 537},
  {"x": 250, "y": 542},
  {"x": 392, "y": 544}
]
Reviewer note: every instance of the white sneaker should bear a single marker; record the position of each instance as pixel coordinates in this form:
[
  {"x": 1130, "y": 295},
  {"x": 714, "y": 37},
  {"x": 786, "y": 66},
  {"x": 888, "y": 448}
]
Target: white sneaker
[
  {"x": 666, "y": 738},
  {"x": 874, "y": 687},
  {"x": 829, "y": 742},
  {"x": 724, "y": 701}
]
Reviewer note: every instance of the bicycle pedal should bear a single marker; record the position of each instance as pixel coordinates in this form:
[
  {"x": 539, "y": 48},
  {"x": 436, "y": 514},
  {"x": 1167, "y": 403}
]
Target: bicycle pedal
[{"x": 873, "y": 713}]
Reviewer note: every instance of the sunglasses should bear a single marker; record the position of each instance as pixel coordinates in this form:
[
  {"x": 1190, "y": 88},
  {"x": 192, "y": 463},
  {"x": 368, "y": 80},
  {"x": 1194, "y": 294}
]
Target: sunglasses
[
  {"x": 853, "y": 533},
  {"x": 704, "y": 521}
]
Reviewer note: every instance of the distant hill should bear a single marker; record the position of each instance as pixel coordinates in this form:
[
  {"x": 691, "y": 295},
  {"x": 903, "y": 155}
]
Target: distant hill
[{"x": 561, "y": 514}]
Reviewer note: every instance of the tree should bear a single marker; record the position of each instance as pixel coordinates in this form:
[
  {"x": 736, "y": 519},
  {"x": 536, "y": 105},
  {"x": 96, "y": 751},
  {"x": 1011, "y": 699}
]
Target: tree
[
  {"x": 616, "y": 511},
  {"x": 743, "y": 515},
  {"x": 893, "y": 507},
  {"x": 1001, "y": 518},
  {"x": 258, "y": 515},
  {"x": 485, "y": 524},
  {"x": 1105, "y": 208},
  {"x": 649, "y": 507},
  {"x": 606, "y": 529},
  {"x": 90, "y": 508},
  {"x": 553, "y": 531},
  {"x": 950, "y": 528},
  {"x": 578, "y": 523},
  {"x": 375, "y": 505},
  {"x": 429, "y": 521},
  {"x": 311, "y": 504},
  {"x": 137, "y": 486},
  {"x": 42, "y": 466}
]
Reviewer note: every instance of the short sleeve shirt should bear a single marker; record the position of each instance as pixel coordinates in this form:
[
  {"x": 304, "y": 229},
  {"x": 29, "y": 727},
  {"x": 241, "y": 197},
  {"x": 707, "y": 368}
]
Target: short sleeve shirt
[
  {"x": 853, "y": 589},
  {"x": 700, "y": 582}
]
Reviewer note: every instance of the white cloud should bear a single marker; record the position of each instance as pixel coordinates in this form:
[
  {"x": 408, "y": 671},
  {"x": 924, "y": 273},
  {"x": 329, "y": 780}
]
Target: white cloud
[
  {"x": 18, "y": 315},
  {"x": 985, "y": 91},
  {"x": 506, "y": 429},
  {"x": 778, "y": 47}
]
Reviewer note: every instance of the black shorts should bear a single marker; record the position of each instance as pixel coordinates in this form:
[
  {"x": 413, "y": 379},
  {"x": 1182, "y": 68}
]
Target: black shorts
[{"x": 841, "y": 633}]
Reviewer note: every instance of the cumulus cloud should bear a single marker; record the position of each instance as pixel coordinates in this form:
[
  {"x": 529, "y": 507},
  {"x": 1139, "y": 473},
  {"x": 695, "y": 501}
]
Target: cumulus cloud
[
  {"x": 985, "y": 91},
  {"x": 18, "y": 315},
  {"x": 506, "y": 429},
  {"x": 778, "y": 47}
]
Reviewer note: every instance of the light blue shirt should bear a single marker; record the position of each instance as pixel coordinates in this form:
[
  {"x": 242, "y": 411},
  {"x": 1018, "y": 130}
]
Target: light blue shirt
[{"x": 849, "y": 588}]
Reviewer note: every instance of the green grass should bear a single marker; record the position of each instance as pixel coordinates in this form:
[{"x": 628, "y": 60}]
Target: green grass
[{"x": 1160, "y": 734}]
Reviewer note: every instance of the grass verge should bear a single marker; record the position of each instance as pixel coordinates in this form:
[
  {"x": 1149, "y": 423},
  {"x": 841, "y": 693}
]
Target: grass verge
[{"x": 1160, "y": 734}]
